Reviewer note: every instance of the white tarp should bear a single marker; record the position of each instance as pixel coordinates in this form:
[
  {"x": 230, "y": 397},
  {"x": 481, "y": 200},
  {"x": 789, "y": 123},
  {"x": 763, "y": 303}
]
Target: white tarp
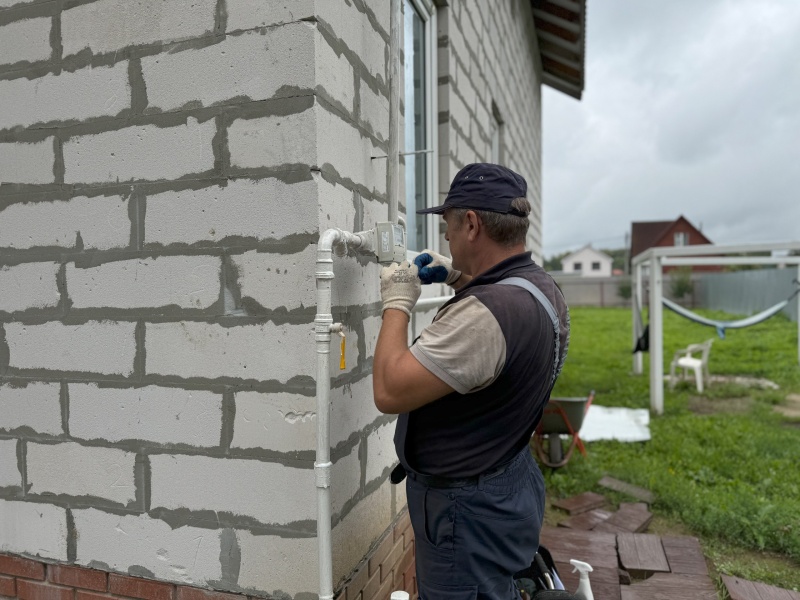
[{"x": 623, "y": 424}]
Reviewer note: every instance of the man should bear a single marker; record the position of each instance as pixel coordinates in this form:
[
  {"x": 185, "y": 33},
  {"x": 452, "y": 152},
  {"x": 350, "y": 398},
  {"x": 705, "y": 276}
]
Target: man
[{"x": 471, "y": 389}]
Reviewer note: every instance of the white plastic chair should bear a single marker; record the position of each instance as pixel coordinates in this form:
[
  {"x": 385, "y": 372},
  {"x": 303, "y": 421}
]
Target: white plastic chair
[{"x": 685, "y": 360}]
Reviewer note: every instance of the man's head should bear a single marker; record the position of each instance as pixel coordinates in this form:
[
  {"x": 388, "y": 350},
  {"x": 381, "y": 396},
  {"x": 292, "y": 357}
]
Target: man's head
[{"x": 496, "y": 195}]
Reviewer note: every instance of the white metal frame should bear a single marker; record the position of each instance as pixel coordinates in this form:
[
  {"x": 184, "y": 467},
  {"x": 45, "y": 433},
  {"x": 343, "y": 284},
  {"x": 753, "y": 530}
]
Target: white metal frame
[
  {"x": 654, "y": 259},
  {"x": 427, "y": 11}
]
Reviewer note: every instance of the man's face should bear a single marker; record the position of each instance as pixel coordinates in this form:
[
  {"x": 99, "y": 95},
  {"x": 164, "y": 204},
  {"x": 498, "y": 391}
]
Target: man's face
[{"x": 455, "y": 233}]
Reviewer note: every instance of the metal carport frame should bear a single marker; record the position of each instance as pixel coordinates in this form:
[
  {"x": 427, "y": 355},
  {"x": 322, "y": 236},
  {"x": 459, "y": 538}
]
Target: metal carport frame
[{"x": 654, "y": 260}]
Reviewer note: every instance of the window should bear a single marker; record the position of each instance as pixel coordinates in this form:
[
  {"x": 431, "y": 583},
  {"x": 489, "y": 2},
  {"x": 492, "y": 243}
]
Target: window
[
  {"x": 681, "y": 239},
  {"x": 419, "y": 108},
  {"x": 577, "y": 266},
  {"x": 595, "y": 266}
]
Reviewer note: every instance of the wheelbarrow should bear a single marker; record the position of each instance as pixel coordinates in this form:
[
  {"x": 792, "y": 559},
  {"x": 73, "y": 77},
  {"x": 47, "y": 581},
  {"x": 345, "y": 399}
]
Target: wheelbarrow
[{"x": 562, "y": 416}]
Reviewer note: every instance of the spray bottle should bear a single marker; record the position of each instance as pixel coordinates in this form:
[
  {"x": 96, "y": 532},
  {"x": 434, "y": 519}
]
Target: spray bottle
[{"x": 584, "y": 591}]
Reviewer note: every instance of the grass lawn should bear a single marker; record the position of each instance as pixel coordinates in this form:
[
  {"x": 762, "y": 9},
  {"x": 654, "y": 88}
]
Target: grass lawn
[{"x": 724, "y": 465}]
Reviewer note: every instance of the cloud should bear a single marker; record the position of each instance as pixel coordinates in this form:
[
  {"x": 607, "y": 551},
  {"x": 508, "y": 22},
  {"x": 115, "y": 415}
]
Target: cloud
[{"x": 690, "y": 108}]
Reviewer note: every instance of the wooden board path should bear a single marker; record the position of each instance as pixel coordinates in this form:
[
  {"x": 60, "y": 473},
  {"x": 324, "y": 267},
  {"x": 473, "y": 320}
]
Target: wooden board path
[
  {"x": 580, "y": 503},
  {"x": 742, "y": 589},
  {"x": 641, "y": 554},
  {"x": 627, "y": 488},
  {"x": 671, "y": 586},
  {"x": 684, "y": 555},
  {"x": 630, "y": 518}
]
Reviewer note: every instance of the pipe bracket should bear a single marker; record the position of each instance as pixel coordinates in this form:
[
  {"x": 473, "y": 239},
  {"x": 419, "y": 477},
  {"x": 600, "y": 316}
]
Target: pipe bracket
[{"x": 323, "y": 473}]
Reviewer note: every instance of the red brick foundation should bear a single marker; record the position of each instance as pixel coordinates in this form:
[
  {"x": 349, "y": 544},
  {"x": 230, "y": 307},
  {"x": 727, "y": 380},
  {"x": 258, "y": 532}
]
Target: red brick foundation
[
  {"x": 28, "y": 579},
  {"x": 389, "y": 567}
]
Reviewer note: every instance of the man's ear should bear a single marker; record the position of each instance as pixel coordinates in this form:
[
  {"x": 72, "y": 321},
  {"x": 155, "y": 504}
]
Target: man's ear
[{"x": 473, "y": 223}]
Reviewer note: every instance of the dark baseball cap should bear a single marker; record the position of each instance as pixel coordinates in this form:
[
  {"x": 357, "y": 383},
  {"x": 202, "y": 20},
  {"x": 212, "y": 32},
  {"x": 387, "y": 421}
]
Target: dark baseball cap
[{"x": 483, "y": 186}]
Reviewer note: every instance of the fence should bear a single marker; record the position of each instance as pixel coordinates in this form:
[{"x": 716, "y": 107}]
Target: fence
[{"x": 738, "y": 292}]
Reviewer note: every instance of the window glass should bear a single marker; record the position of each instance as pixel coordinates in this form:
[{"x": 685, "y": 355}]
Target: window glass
[
  {"x": 681, "y": 239},
  {"x": 577, "y": 266},
  {"x": 415, "y": 127},
  {"x": 595, "y": 266}
]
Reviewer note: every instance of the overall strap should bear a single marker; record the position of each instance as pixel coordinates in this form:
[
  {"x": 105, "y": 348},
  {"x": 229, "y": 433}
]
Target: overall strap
[{"x": 558, "y": 362}]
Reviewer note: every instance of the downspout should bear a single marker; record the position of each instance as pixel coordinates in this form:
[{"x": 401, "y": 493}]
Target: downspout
[{"x": 323, "y": 327}]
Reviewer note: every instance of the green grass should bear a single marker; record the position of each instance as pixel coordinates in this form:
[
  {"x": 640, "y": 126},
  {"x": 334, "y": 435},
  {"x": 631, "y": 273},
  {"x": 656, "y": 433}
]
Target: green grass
[{"x": 722, "y": 465}]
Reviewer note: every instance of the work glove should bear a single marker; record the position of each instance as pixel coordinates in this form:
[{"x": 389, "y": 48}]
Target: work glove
[
  {"x": 435, "y": 268},
  {"x": 400, "y": 286}
]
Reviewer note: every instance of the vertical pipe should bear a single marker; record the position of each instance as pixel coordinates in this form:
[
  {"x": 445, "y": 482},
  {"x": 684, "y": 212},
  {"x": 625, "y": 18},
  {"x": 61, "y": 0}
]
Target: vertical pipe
[
  {"x": 636, "y": 307},
  {"x": 322, "y": 464},
  {"x": 656, "y": 338},
  {"x": 393, "y": 162}
]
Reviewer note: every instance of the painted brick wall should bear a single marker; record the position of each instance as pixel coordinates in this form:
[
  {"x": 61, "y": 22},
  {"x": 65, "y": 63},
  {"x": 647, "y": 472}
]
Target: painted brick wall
[
  {"x": 489, "y": 62},
  {"x": 166, "y": 168}
]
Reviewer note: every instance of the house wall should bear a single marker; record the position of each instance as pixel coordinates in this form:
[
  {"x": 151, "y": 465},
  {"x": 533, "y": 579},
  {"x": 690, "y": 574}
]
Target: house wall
[
  {"x": 166, "y": 170},
  {"x": 489, "y": 57},
  {"x": 587, "y": 256},
  {"x": 694, "y": 238}
]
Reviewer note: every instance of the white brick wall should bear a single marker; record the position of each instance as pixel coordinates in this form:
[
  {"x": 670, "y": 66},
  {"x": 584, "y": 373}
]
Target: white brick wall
[
  {"x": 380, "y": 451},
  {"x": 354, "y": 284},
  {"x": 263, "y": 352},
  {"x": 252, "y": 65},
  {"x": 86, "y": 93},
  {"x": 279, "y": 565},
  {"x": 31, "y": 285},
  {"x": 169, "y": 281},
  {"x": 28, "y": 39},
  {"x": 345, "y": 480},
  {"x": 278, "y": 280},
  {"x": 187, "y": 554},
  {"x": 36, "y": 406},
  {"x": 249, "y": 14},
  {"x": 280, "y": 421},
  {"x": 243, "y": 487},
  {"x": 147, "y": 152},
  {"x": 243, "y": 208},
  {"x": 96, "y": 347},
  {"x": 102, "y": 222},
  {"x": 273, "y": 141},
  {"x": 109, "y": 25},
  {"x": 33, "y": 528},
  {"x": 360, "y": 528},
  {"x": 9, "y": 472},
  {"x": 152, "y": 413},
  {"x": 76, "y": 470},
  {"x": 352, "y": 409},
  {"x": 336, "y": 208},
  {"x": 352, "y": 27},
  {"x": 334, "y": 74},
  {"x": 27, "y": 163}
]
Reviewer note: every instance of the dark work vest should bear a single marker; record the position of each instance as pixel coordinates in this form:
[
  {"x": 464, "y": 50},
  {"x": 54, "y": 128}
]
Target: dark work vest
[{"x": 461, "y": 435}]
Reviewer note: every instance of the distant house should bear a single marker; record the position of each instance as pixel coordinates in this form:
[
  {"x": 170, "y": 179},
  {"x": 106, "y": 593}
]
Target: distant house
[
  {"x": 680, "y": 232},
  {"x": 587, "y": 262}
]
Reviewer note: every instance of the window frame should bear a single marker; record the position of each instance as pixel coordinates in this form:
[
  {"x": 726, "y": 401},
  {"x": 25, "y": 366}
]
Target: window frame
[
  {"x": 682, "y": 236},
  {"x": 427, "y": 12}
]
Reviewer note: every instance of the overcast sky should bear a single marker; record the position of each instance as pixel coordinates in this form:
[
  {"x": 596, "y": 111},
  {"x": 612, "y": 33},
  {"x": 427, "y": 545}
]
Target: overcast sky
[{"x": 690, "y": 107}]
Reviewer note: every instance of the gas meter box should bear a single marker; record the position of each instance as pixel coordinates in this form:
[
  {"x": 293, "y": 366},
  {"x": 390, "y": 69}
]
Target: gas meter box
[{"x": 390, "y": 243}]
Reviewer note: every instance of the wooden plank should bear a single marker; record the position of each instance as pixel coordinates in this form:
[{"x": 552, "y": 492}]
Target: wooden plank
[
  {"x": 626, "y": 488},
  {"x": 580, "y": 503},
  {"x": 596, "y": 548},
  {"x": 673, "y": 586},
  {"x": 684, "y": 555},
  {"x": 630, "y": 518},
  {"x": 641, "y": 554},
  {"x": 742, "y": 589},
  {"x": 588, "y": 520}
]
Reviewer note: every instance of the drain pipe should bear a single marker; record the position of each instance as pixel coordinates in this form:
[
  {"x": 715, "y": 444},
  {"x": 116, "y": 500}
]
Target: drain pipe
[{"x": 341, "y": 241}]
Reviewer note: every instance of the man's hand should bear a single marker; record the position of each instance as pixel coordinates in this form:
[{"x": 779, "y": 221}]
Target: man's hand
[
  {"x": 435, "y": 268},
  {"x": 400, "y": 286}
]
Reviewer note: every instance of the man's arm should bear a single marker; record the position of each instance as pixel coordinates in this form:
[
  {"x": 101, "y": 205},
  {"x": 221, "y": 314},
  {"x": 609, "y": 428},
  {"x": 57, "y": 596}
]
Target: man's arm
[{"x": 400, "y": 382}]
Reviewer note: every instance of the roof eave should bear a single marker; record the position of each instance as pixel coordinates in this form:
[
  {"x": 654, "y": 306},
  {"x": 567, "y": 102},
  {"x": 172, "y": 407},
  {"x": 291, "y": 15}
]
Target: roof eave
[{"x": 561, "y": 36}]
